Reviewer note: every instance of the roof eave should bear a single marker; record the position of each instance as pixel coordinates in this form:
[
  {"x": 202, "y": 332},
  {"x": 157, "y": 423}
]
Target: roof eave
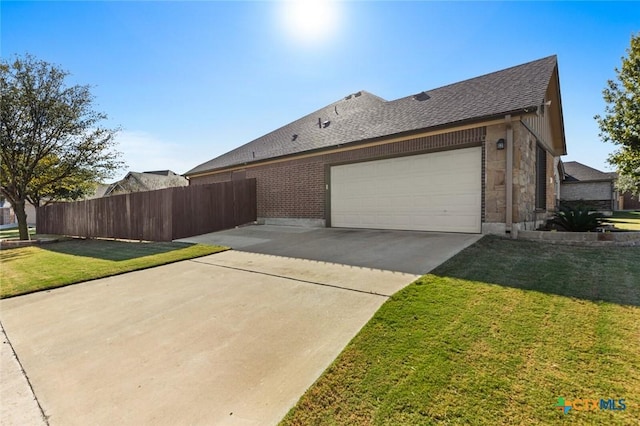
[
  {"x": 458, "y": 123},
  {"x": 560, "y": 114}
]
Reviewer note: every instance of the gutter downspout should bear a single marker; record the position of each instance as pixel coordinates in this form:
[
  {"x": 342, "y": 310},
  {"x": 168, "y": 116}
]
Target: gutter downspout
[{"x": 509, "y": 177}]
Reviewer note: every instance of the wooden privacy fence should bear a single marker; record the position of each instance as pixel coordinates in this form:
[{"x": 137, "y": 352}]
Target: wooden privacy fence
[{"x": 161, "y": 215}]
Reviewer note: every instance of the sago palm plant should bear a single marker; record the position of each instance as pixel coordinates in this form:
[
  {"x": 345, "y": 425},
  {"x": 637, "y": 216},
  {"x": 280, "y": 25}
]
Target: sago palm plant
[{"x": 579, "y": 218}]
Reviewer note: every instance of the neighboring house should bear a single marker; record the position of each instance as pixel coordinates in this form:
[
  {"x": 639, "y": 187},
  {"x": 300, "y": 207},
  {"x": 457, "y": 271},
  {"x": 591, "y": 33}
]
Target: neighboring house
[
  {"x": 476, "y": 156},
  {"x": 146, "y": 181},
  {"x": 582, "y": 183},
  {"x": 100, "y": 191},
  {"x": 8, "y": 216}
]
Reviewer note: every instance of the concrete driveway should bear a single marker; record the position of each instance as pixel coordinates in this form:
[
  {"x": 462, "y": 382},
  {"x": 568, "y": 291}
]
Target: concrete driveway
[
  {"x": 401, "y": 251},
  {"x": 232, "y": 338}
]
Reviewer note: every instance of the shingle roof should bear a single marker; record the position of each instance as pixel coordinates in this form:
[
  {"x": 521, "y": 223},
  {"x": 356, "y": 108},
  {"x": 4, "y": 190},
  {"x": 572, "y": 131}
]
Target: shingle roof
[
  {"x": 101, "y": 189},
  {"x": 152, "y": 181},
  {"x": 578, "y": 172},
  {"x": 162, "y": 172},
  {"x": 146, "y": 181},
  {"x": 362, "y": 116}
]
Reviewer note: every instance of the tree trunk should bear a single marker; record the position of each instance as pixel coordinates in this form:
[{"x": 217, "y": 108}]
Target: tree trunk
[{"x": 21, "y": 215}]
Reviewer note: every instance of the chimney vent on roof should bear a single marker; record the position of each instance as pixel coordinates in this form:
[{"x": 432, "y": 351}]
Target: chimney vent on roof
[
  {"x": 320, "y": 123},
  {"x": 422, "y": 96},
  {"x": 294, "y": 137},
  {"x": 357, "y": 94},
  {"x": 325, "y": 124}
]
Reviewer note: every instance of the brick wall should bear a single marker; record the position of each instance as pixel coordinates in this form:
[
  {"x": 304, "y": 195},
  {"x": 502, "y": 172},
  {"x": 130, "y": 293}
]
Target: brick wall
[
  {"x": 572, "y": 191},
  {"x": 598, "y": 195},
  {"x": 218, "y": 177},
  {"x": 297, "y": 188},
  {"x": 294, "y": 189}
]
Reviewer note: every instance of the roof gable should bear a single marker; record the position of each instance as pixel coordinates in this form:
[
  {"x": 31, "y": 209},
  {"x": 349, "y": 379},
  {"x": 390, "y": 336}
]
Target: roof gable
[{"x": 364, "y": 116}]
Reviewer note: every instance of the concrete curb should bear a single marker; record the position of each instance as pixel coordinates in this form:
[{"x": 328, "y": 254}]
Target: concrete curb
[
  {"x": 19, "y": 404},
  {"x": 9, "y": 244}
]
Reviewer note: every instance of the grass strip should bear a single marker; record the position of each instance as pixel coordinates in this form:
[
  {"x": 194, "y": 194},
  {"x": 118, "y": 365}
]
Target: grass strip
[
  {"x": 28, "y": 269},
  {"x": 494, "y": 337},
  {"x": 625, "y": 220},
  {"x": 14, "y": 233}
]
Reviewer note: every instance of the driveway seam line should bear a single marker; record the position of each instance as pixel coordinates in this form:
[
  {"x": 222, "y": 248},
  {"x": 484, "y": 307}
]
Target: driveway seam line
[
  {"x": 24, "y": 373},
  {"x": 292, "y": 279}
]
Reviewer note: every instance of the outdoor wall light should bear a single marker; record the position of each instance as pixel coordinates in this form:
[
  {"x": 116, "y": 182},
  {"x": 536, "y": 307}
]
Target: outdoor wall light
[{"x": 500, "y": 144}]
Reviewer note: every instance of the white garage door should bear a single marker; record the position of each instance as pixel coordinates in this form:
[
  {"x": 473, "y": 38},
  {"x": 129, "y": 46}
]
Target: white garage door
[{"x": 428, "y": 192}]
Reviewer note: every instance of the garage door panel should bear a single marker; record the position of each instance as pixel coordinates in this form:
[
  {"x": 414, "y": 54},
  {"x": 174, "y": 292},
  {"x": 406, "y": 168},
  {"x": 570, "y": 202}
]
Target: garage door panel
[
  {"x": 432, "y": 192},
  {"x": 435, "y": 222}
]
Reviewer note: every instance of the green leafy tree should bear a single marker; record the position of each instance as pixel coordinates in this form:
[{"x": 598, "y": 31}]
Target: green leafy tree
[
  {"x": 52, "y": 146},
  {"x": 47, "y": 186},
  {"x": 621, "y": 121}
]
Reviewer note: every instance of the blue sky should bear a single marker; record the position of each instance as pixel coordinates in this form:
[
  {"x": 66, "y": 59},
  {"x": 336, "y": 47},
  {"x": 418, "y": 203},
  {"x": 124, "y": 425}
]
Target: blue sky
[{"x": 188, "y": 81}]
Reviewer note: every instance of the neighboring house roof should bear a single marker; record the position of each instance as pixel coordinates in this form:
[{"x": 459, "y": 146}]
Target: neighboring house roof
[
  {"x": 364, "y": 116},
  {"x": 578, "y": 172},
  {"x": 100, "y": 191},
  {"x": 163, "y": 173},
  {"x": 146, "y": 181}
]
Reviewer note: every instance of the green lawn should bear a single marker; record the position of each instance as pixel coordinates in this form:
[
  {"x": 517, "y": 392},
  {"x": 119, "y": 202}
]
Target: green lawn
[
  {"x": 24, "y": 270},
  {"x": 494, "y": 337},
  {"x": 629, "y": 221},
  {"x": 14, "y": 233}
]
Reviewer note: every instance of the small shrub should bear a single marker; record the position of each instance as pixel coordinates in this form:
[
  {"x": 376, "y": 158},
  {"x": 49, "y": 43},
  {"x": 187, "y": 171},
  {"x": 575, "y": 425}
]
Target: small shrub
[{"x": 579, "y": 218}]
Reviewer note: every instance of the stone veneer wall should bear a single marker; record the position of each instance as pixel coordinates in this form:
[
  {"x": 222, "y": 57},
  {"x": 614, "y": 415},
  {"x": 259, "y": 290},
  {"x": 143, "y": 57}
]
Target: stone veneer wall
[
  {"x": 524, "y": 175},
  {"x": 583, "y": 238},
  {"x": 495, "y": 169},
  {"x": 524, "y": 215}
]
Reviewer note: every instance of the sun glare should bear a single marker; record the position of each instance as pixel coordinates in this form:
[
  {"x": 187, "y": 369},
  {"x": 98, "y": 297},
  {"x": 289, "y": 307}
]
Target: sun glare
[{"x": 310, "y": 21}]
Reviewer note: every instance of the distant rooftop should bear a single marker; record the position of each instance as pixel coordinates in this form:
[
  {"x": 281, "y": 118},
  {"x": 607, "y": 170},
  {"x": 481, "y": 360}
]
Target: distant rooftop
[
  {"x": 146, "y": 181},
  {"x": 578, "y": 172}
]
